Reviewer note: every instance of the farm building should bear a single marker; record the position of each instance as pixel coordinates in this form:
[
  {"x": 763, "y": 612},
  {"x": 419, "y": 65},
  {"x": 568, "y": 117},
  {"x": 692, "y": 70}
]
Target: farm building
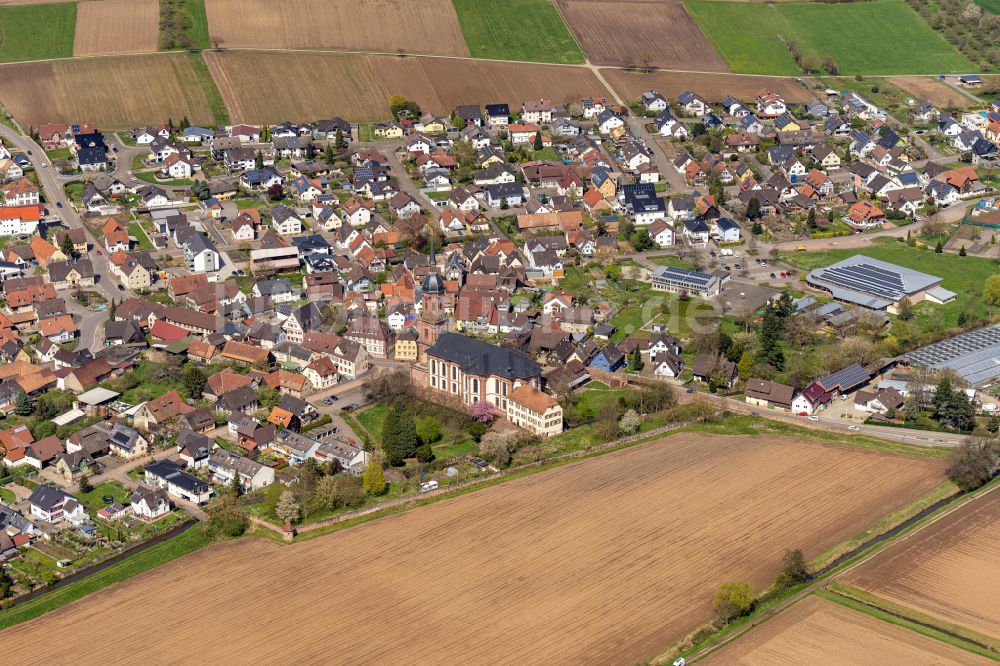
[
  {"x": 877, "y": 285},
  {"x": 973, "y": 355}
]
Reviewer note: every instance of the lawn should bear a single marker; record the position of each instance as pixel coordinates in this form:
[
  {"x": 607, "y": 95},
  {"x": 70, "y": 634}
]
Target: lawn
[
  {"x": 37, "y": 32},
  {"x": 962, "y": 275},
  {"x": 672, "y": 261},
  {"x": 198, "y": 32},
  {"x": 372, "y": 419},
  {"x": 366, "y": 132},
  {"x": 530, "y": 30},
  {"x": 875, "y": 37},
  {"x": 92, "y": 501},
  {"x": 628, "y": 321},
  {"x": 7, "y": 496},
  {"x": 190, "y": 541},
  {"x": 992, "y": 6},
  {"x": 150, "y": 177},
  {"x": 136, "y": 231},
  {"x": 546, "y": 154}
]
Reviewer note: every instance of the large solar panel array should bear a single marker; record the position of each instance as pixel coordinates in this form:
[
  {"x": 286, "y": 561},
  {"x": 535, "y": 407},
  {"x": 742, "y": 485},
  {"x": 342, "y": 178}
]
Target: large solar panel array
[
  {"x": 975, "y": 355},
  {"x": 684, "y": 275},
  {"x": 846, "y": 379},
  {"x": 866, "y": 278}
]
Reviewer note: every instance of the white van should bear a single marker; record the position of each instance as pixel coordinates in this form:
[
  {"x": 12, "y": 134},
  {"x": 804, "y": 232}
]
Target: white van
[{"x": 427, "y": 486}]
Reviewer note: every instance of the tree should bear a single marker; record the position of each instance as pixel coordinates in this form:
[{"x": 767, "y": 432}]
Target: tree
[
  {"x": 993, "y": 425},
  {"x": 939, "y": 248},
  {"x": 905, "y": 309},
  {"x": 67, "y": 245},
  {"x": 745, "y": 365},
  {"x": 373, "y": 480},
  {"x": 753, "y": 209},
  {"x": 428, "y": 430},
  {"x": 482, "y": 412},
  {"x": 476, "y": 430},
  {"x": 538, "y": 145},
  {"x": 830, "y": 66},
  {"x": 613, "y": 271},
  {"x": 258, "y": 160},
  {"x": 267, "y": 397},
  {"x": 339, "y": 139},
  {"x": 961, "y": 251},
  {"x": 275, "y": 192},
  {"x": 193, "y": 379},
  {"x": 973, "y": 463},
  {"x": 235, "y": 485},
  {"x": 23, "y": 404},
  {"x": 84, "y": 484},
  {"x": 226, "y": 517},
  {"x": 424, "y": 453},
  {"x": 991, "y": 290},
  {"x": 629, "y": 423},
  {"x": 499, "y": 447},
  {"x": 287, "y": 509},
  {"x": 399, "y": 434},
  {"x": 733, "y": 599},
  {"x": 793, "y": 571}
]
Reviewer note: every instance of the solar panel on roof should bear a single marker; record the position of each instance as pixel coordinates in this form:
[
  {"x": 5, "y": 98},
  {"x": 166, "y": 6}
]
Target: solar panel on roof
[
  {"x": 685, "y": 275},
  {"x": 846, "y": 379}
]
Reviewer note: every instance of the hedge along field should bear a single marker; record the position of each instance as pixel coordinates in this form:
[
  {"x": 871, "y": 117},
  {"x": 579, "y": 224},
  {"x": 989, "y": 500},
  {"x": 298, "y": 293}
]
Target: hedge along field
[
  {"x": 875, "y": 37},
  {"x": 530, "y": 30},
  {"x": 37, "y": 32}
]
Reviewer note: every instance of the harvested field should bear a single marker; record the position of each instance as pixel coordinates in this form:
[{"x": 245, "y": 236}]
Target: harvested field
[
  {"x": 116, "y": 26},
  {"x": 112, "y": 93},
  {"x": 661, "y": 34},
  {"x": 428, "y": 26},
  {"x": 256, "y": 87},
  {"x": 606, "y": 560},
  {"x": 819, "y": 631},
  {"x": 948, "y": 572},
  {"x": 925, "y": 89},
  {"x": 711, "y": 86}
]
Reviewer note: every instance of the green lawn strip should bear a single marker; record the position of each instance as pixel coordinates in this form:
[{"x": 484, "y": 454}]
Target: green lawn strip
[
  {"x": 671, "y": 261},
  {"x": 874, "y": 37},
  {"x": 135, "y": 229},
  {"x": 870, "y": 604},
  {"x": 962, "y": 275},
  {"x": 7, "y": 496},
  {"x": 517, "y": 30},
  {"x": 462, "y": 447},
  {"x": 43, "y": 559},
  {"x": 187, "y": 542},
  {"x": 37, "y": 32},
  {"x": 992, "y": 6},
  {"x": 198, "y": 32},
  {"x": 546, "y": 154},
  {"x": 366, "y": 132},
  {"x": 220, "y": 114}
]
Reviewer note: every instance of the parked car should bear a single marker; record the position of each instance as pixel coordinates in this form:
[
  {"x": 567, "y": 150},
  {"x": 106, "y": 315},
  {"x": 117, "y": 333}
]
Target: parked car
[{"x": 814, "y": 418}]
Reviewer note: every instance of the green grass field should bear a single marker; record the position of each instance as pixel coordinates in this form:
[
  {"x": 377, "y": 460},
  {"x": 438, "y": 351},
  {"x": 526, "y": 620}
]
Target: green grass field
[
  {"x": 992, "y": 6},
  {"x": 876, "y": 37},
  {"x": 516, "y": 30},
  {"x": 220, "y": 114},
  {"x": 37, "y": 32}
]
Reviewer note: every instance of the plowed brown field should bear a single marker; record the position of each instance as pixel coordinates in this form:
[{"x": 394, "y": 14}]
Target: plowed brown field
[
  {"x": 607, "y": 560},
  {"x": 616, "y": 32},
  {"x": 116, "y": 26},
  {"x": 711, "y": 86},
  {"x": 427, "y": 26},
  {"x": 926, "y": 89},
  {"x": 951, "y": 571},
  {"x": 111, "y": 93},
  {"x": 257, "y": 87},
  {"x": 818, "y": 631}
]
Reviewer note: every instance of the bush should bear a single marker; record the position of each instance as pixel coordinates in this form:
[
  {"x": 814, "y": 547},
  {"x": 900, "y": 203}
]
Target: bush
[
  {"x": 732, "y": 600},
  {"x": 499, "y": 447},
  {"x": 476, "y": 430},
  {"x": 373, "y": 480},
  {"x": 428, "y": 429},
  {"x": 425, "y": 453}
]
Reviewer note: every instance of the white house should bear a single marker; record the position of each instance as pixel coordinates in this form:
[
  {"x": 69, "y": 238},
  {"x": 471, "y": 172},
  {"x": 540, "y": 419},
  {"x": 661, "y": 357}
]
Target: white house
[
  {"x": 55, "y": 505},
  {"x": 662, "y": 233},
  {"x": 286, "y": 221},
  {"x": 149, "y": 503}
]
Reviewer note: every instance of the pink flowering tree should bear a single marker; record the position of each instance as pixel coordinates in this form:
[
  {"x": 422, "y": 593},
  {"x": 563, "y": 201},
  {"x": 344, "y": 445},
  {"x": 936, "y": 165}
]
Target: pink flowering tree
[{"x": 482, "y": 411}]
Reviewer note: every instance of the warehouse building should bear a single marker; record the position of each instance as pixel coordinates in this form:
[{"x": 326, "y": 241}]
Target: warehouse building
[{"x": 878, "y": 285}]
